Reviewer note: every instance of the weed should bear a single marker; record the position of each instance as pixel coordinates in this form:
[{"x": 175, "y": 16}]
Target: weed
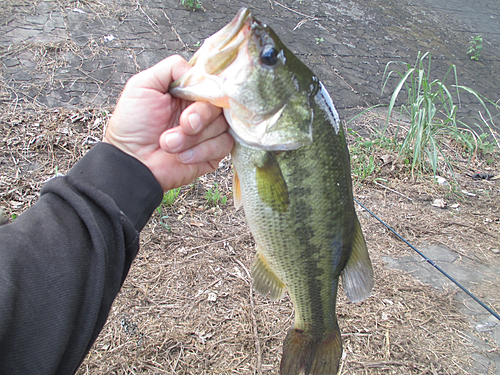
[
  {"x": 164, "y": 224},
  {"x": 475, "y": 47},
  {"x": 214, "y": 196},
  {"x": 432, "y": 111},
  {"x": 363, "y": 170},
  {"x": 168, "y": 199},
  {"x": 197, "y": 44},
  {"x": 319, "y": 40},
  {"x": 191, "y": 5},
  {"x": 362, "y": 160}
]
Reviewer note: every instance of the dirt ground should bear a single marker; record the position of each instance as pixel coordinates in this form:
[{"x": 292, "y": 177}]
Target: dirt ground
[{"x": 187, "y": 306}]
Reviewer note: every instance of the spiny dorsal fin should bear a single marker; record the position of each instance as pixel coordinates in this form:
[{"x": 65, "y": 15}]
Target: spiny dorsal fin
[
  {"x": 271, "y": 185},
  {"x": 237, "y": 199},
  {"x": 265, "y": 280},
  {"x": 357, "y": 276}
]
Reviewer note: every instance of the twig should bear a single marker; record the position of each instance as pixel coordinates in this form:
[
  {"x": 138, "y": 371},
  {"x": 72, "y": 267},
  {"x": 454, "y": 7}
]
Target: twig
[
  {"x": 151, "y": 22},
  {"x": 491, "y": 131},
  {"x": 379, "y": 364},
  {"x": 213, "y": 243},
  {"x": 294, "y": 11},
  {"x": 394, "y": 191},
  {"x": 471, "y": 227},
  {"x": 303, "y": 22},
  {"x": 184, "y": 45},
  {"x": 254, "y": 320}
]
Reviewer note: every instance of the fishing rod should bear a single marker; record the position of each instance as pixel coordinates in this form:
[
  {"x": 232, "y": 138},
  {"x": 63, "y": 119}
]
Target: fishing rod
[{"x": 432, "y": 263}]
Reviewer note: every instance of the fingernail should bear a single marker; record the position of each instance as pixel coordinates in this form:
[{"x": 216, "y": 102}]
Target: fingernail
[
  {"x": 194, "y": 120},
  {"x": 186, "y": 155},
  {"x": 173, "y": 140}
]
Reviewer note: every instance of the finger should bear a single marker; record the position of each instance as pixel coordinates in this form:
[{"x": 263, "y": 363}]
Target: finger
[
  {"x": 197, "y": 116},
  {"x": 208, "y": 151},
  {"x": 176, "y": 140},
  {"x": 160, "y": 76}
]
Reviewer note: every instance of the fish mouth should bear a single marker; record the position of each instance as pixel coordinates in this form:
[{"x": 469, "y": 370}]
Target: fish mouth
[{"x": 215, "y": 55}]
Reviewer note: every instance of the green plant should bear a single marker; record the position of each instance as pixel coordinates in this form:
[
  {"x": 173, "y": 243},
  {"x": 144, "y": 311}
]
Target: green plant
[
  {"x": 164, "y": 224},
  {"x": 191, "y": 4},
  {"x": 319, "y": 40},
  {"x": 432, "y": 110},
  {"x": 168, "y": 199},
  {"x": 475, "y": 47},
  {"x": 362, "y": 169},
  {"x": 214, "y": 196},
  {"x": 197, "y": 44}
]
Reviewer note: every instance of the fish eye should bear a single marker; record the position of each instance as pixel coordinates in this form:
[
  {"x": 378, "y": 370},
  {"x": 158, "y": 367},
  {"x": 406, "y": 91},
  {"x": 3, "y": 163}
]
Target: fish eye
[{"x": 269, "y": 56}]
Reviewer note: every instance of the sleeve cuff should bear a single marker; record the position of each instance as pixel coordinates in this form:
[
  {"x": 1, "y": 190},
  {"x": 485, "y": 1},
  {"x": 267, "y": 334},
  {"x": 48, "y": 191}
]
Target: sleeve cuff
[{"x": 122, "y": 177}]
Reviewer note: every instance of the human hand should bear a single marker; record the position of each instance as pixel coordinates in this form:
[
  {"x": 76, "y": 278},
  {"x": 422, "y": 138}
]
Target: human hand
[{"x": 177, "y": 140}]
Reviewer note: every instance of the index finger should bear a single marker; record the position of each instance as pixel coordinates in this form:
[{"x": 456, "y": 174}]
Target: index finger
[{"x": 198, "y": 116}]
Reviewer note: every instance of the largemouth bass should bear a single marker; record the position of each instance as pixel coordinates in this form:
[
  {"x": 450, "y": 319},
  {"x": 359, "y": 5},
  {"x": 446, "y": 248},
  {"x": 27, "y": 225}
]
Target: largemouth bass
[{"x": 292, "y": 176}]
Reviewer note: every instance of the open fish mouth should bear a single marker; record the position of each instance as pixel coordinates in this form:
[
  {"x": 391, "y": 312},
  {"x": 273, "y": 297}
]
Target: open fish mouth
[{"x": 215, "y": 55}]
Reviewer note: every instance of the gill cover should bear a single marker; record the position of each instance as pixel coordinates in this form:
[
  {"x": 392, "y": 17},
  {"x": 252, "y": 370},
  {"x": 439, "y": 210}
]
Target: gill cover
[{"x": 245, "y": 69}]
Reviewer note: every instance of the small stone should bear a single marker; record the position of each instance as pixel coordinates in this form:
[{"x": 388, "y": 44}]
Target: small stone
[
  {"x": 212, "y": 297},
  {"x": 442, "y": 181},
  {"x": 495, "y": 251},
  {"x": 440, "y": 202}
]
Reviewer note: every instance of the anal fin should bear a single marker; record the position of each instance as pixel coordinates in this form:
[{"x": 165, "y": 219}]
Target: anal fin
[
  {"x": 265, "y": 280},
  {"x": 357, "y": 276}
]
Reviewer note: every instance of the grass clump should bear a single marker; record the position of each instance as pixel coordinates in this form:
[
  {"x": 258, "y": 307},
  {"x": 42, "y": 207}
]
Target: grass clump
[
  {"x": 214, "y": 196},
  {"x": 432, "y": 109},
  {"x": 169, "y": 198},
  {"x": 191, "y": 5}
]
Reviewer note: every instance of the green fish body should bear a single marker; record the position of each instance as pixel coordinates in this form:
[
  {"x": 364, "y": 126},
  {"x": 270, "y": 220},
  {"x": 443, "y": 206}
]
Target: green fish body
[{"x": 292, "y": 176}]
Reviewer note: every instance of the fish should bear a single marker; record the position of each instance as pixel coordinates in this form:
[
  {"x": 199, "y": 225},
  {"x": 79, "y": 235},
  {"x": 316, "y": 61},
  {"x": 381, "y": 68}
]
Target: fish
[{"x": 292, "y": 177}]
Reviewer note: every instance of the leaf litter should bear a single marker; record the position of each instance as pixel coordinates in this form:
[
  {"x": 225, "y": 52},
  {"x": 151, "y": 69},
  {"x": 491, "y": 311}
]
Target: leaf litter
[{"x": 187, "y": 306}]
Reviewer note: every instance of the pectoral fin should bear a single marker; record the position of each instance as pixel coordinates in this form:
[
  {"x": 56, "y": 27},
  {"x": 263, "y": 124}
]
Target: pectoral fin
[
  {"x": 237, "y": 199},
  {"x": 357, "y": 276},
  {"x": 271, "y": 185},
  {"x": 265, "y": 280}
]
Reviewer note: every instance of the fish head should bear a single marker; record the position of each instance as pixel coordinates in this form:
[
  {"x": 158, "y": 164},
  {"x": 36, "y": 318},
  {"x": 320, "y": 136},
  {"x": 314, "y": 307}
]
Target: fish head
[{"x": 264, "y": 89}]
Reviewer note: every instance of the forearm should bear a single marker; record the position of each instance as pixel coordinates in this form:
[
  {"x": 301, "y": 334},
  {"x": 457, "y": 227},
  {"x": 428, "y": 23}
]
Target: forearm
[{"x": 63, "y": 261}]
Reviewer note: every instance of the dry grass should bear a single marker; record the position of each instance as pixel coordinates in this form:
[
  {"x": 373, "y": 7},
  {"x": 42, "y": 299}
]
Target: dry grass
[{"x": 187, "y": 305}]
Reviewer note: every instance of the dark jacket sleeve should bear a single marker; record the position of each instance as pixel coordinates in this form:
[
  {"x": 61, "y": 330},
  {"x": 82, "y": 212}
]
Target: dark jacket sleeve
[{"x": 63, "y": 261}]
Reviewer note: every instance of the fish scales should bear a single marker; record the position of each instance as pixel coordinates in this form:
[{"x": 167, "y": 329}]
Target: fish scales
[
  {"x": 292, "y": 176},
  {"x": 299, "y": 243}
]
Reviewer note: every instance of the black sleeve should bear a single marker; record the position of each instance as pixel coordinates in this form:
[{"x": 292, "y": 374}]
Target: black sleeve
[{"x": 63, "y": 261}]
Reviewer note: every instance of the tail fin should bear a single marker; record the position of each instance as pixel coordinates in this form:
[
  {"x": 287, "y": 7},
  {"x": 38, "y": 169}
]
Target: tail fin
[{"x": 311, "y": 355}]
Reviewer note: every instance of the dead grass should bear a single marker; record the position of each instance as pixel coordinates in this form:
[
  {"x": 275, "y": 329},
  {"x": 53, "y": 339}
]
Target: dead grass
[{"x": 187, "y": 305}]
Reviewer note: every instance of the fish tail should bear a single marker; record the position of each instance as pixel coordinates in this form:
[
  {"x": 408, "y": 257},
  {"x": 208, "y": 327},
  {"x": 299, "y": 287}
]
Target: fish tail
[{"x": 311, "y": 355}]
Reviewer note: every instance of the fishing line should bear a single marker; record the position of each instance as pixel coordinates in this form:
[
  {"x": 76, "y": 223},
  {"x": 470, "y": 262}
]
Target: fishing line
[{"x": 431, "y": 262}]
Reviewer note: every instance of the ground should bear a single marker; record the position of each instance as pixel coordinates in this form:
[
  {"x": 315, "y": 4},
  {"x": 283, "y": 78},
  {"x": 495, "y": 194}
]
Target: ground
[{"x": 187, "y": 306}]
